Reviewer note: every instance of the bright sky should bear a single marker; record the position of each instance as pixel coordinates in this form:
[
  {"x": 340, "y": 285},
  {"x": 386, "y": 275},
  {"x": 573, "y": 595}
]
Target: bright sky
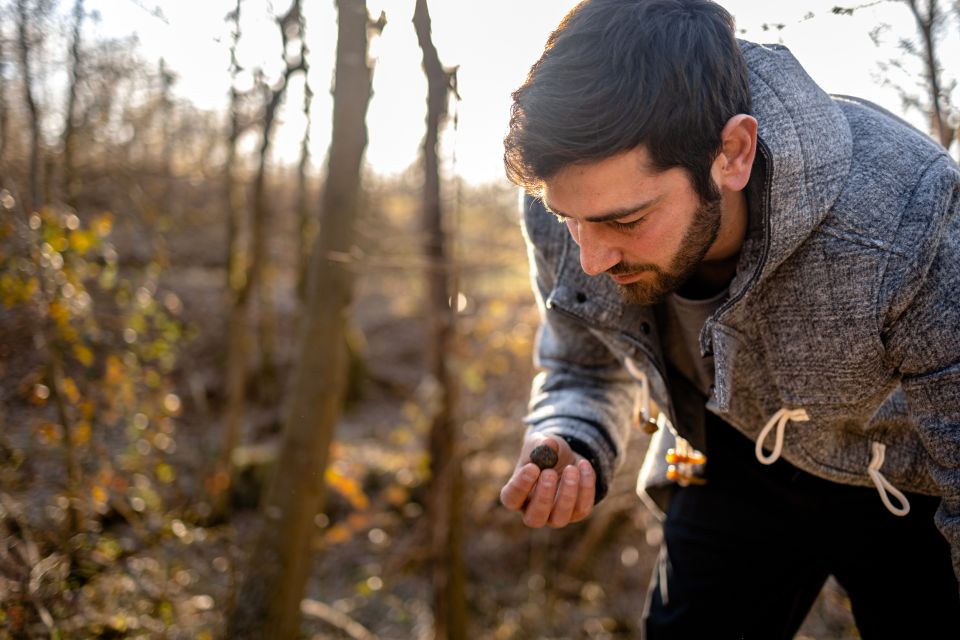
[{"x": 493, "y": 41}]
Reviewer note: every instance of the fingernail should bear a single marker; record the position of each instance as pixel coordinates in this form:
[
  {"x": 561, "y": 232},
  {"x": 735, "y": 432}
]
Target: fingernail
[
  {"x": 570, "y": 479},
  {"x": 548, "y": 479},
  {"x": 529, "y": 476}
]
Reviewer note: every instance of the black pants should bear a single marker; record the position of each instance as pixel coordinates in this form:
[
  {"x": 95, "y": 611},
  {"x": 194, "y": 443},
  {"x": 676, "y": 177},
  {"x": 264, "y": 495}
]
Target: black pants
[{"x": 748, "y": 553}]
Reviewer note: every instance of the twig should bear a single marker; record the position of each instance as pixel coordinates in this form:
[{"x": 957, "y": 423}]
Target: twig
[
  {"x": 13, "y": 512},
  {"x": 338, "y": 619},
  {"x": 156, "y": 12},
  {"x": 10, "y": 509}
]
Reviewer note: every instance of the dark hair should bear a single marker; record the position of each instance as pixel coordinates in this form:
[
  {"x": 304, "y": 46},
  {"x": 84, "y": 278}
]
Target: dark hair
[{"x": 665, "y": 74}]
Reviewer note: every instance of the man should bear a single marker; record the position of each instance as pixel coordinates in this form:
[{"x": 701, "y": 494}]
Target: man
[{"x": 779, "y": 270}]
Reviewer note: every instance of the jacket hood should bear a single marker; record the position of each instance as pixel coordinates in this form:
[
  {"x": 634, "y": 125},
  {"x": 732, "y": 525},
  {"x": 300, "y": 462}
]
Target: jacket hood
[{"x": 807, "y": 151}]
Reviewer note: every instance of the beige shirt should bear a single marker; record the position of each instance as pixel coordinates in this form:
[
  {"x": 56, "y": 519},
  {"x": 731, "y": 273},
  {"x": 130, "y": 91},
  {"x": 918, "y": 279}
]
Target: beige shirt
[{"x": 681, "y": 344}]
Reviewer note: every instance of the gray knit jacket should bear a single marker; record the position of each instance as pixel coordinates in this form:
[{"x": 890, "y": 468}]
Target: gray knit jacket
[{"x": 841, "y": 335}]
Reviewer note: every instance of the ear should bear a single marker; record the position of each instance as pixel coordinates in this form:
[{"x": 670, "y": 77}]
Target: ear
[{"x": 731, "y": 169}]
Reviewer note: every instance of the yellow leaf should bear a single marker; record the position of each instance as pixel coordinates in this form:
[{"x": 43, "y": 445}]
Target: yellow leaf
[
  {"x": 347, "y": 487},
  {"x": 338, "y": 533},
  {"x": 152, "y": 378},
  {"x": 358, "y": 521},
  {"x": 82, "y": 432},
  {"x": 71, "y": 391},
  {"x": 165, "y": 473},
  {"x": 49, "y": 432},
  {"x": 82, "y": 241},
  {"x": 114, "y": 373},
  {"x": 396, "y": 495},
  {"x": 31, "y": 288},
  {"x": 99, "y": 494},
  {"x": 59, "y": 313},
  {"x": 83, "y": 354},
  {"x": 119, "y": 622},
  {"x": 103, "y": 225}
]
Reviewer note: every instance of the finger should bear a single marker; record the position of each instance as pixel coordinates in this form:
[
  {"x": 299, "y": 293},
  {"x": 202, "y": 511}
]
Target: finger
[
  {"x": 586, "y": 491},
  {"x": 566, "y": 497},
  {"x": 541, "y": 502},
  {"x": 515, "y": 492}
]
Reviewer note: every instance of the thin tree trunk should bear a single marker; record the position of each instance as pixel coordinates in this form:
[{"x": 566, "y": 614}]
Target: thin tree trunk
[
  {"x": 167, "y": 129},
  {"x": 56, "y": 378},
  {"x": 925, "y": 25},
  {"x": 4, "y": 113},
  {"x": 445, "y": 510},
  {"x": 164, "y": 215},
  {"x": 235, "y": 375},
  {"x": 260, "y": 268},
  {"x": 307, "y": 232},
  {"x": 71, "y": 186},
  {"x": 268, "y": 600},
  {"x": 23, "y": 39}
]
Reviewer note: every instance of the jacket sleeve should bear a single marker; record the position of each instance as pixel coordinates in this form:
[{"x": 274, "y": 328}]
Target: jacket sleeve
[
  {"x": 922, "y": 331},
  {"x": 583, "y": 394}
]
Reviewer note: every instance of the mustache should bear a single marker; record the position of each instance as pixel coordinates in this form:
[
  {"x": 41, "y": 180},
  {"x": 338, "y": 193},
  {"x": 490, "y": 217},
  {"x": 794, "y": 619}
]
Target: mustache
[{"x": 628, "y": 268}]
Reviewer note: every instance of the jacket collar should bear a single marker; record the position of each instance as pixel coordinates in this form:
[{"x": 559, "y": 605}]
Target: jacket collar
[{"x": 808, "y": 153}]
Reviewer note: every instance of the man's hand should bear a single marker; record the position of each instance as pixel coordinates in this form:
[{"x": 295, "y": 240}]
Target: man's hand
[{"x": 556, "y": 496}]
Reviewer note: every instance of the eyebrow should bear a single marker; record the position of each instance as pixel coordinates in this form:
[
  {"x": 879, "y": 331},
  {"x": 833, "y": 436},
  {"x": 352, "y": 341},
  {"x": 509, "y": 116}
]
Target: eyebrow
[{"x": 615, "y": 214}]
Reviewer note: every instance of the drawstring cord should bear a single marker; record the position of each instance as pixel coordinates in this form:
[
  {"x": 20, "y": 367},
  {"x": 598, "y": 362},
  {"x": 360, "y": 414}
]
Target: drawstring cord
[
  {"x": 644, "y": 399},
  {"x": 778, "y": 420},
  {"x": 883, "y": 485}
]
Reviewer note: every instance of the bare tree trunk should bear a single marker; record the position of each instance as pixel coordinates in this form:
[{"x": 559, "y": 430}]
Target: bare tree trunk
[
  {"x": 307, "y": 230},
  {"x": 259, "y": 272},
  {"x": 164, "y": 215},
  {"x": 24, "y": 45},
  {"x": 56, "y": 377},
  {"x": 926, "y": 23},
  {"x": 167, "y": 129},
  {"x": 235, "y": 376},
  {"x": 4, "y": 112},
  {"x": 268, "y": 600},
  {"x": 70, "y": 187},
  {"x": 445, "y": 512}
]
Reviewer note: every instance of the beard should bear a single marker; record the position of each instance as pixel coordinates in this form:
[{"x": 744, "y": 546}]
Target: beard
[{"x": 696, "y": 242}]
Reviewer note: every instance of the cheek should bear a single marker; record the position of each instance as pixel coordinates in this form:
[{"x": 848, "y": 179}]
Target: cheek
[{"x": 654, "y": 242}]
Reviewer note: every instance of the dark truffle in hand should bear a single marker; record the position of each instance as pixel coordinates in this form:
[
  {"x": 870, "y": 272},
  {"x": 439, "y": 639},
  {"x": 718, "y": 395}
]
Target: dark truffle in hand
[{"x": 544, "y": 457}]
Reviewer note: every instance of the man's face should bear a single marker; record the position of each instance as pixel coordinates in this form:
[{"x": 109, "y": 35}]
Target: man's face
[{"x": 647, "y": 230}]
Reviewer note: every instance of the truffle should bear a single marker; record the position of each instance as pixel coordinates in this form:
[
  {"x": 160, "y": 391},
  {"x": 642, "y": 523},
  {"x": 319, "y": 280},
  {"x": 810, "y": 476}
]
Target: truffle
[{"x": 544, "y": 457}]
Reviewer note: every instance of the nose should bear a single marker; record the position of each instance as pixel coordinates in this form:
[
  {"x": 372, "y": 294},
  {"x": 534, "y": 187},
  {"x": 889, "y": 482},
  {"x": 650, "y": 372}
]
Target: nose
[{"x": 597, "y": 253}]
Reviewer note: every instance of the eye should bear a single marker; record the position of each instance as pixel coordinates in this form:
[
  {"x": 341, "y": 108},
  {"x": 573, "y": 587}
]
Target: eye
[{"x": 625, "y": 226}]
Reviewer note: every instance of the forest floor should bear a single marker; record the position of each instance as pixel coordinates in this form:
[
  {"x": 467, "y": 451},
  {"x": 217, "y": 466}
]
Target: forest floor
[{"x": 171, "y": 576}]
